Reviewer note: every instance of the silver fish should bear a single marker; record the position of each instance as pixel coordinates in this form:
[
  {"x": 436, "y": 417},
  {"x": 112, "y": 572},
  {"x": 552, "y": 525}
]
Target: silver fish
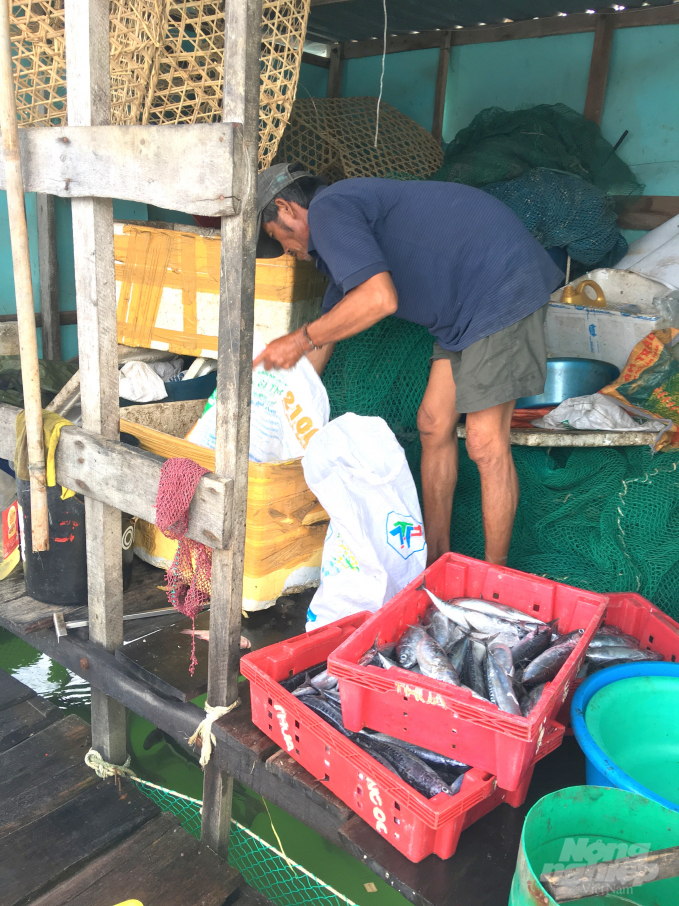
[
  {"x": 608, "y": 657},
  {"x": 503, "y": 655},
  {"x": 500, "y": 689},
  {"x": 458, "y": 653},
  {"x": 474, "y": 670},
  {"x": 546, "y": 665},
  {"x": 454, "y": 635},
  {"x": 407, "y": 644},
  {"x": 324, "y": 681},
  {"x": 530, "y": 700},
  {"x": 409, "y": 767},
  {"x": 439, "y": 628},
  {"x": 533, "y": 644},
  {"x": 435, "y": 759},
  {"x": 328, "y": 712},
  {"x": 433, "y": 662},
  {"x": 381, "y": 660},
  {"x": 504, "y": 611},
  {"x": 621, "y": 640}
]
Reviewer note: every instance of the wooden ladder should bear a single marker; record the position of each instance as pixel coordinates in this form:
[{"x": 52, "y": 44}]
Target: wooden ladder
[{"x": 208, "y": 169}]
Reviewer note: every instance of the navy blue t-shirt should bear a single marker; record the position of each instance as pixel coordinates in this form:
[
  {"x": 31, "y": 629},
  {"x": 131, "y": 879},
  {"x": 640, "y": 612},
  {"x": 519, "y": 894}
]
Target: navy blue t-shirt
[{"x": 463, "y": 264}]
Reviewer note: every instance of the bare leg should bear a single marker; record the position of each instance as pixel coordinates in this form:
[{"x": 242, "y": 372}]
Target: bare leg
[
  {"x": 488, "y": 445},
  {"x": 436, "y": 421}
]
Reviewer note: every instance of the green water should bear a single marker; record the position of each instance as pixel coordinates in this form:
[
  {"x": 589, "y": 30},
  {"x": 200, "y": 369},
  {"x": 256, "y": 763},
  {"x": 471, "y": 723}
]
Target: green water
[{"x": 166, "y": 766}]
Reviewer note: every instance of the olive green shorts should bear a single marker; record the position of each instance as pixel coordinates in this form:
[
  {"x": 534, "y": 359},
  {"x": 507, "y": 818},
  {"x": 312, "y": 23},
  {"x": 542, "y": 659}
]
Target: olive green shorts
[{"x": 504, "y": 366}]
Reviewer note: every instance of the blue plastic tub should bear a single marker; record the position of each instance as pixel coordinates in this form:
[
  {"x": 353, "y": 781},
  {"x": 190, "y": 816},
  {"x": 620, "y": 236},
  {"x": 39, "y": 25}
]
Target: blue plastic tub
[{"x": 625, "y": 721}]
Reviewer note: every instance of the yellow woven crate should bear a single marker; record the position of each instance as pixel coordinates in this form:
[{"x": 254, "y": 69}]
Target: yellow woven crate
[
  {"x": 285, "y": 527},
  {"x": 167, "y": 286}
]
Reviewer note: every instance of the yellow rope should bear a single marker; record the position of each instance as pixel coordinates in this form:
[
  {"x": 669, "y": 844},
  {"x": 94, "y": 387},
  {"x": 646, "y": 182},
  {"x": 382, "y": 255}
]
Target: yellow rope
[{"x": 204, "y": 730}]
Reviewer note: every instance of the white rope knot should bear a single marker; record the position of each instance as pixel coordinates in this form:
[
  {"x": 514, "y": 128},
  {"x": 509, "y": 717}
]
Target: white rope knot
[
  {"x": 204, "y": 730},
  {"x": 104, "y": 769}
]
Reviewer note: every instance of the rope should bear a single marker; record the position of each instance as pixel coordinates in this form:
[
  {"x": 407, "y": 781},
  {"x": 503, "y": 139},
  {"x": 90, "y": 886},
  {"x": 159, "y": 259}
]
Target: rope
[
  {"x": 204, "y": 730},
  {"x": 104, "y": 769},
  {"x": 384, "y": 55}
]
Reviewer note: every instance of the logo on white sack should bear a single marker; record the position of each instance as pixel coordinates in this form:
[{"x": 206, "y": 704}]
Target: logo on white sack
[{"x": 405, "y": 534}]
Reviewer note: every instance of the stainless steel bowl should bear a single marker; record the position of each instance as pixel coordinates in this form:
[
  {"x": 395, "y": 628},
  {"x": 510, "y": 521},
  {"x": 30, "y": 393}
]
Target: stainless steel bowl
[{"x": 567, "y": 377}]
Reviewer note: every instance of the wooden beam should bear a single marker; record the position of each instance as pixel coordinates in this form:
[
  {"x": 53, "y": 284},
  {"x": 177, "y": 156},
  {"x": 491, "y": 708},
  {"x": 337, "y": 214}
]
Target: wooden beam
[
  {"x": 65, "y": 317},
  {"x": 151, "y": 164},
  {"x": 440, "y": 91},
  {"x": 314, "y": 60},
  {"x": 530, "y": 28},
  {"x": 599, "y": 66},
  {"x": 647, "y": 212},
  {"x": 49, "y": 278},
  {"x": 335, "y": 71},
  {"x": 126, "y": 478},
  {"x": 89, "y": 104},
  {"x": 242, "y": 38}
]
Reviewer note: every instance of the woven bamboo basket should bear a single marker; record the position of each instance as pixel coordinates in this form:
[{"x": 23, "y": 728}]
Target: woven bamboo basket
[
  {"x": 167, "y": 60},
  {"x": 335, "y": 137}
]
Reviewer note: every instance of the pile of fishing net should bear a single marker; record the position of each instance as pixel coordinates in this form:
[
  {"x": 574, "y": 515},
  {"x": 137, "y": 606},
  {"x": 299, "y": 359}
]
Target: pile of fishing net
[
  {"x": 605, "y": 519},
  {"x": 554, "y": 169}
]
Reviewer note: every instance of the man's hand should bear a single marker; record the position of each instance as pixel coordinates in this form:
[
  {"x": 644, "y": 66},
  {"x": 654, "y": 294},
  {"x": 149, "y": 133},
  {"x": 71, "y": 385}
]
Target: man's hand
[{"x": 284, "y": 352}]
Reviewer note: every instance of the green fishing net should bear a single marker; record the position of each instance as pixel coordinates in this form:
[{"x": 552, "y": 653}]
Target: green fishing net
[
  {"x": 605, "y": 519},
  {"x": 502, "y": 144},
  {"x": 263, "y": 867}
]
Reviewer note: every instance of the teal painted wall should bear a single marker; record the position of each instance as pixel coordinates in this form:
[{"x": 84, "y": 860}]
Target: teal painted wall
[
  {"x": 313, "y": 81},
  {"x": 643, "y": 89}
]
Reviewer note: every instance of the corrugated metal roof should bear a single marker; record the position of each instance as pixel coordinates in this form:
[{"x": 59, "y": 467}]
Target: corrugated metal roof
[{"x": 359, "y": 20}]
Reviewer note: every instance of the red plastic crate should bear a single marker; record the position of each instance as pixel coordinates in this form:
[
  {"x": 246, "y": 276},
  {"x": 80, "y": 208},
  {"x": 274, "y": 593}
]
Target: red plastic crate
[
  {"x": 414, "y": 825},
  {"x": 639, "y": 618},
  {"x": 446, "y": 718}
]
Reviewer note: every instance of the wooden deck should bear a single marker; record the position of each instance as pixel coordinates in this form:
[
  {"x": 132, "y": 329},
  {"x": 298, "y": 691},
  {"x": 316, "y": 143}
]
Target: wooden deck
[
  {"x": 158, "y": 688},
  {"x": 70, "y": 839}
]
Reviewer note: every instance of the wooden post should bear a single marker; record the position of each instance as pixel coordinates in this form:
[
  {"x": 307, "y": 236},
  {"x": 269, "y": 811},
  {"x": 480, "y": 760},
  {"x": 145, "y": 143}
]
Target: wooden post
[
  {"x": 89, "y": 104},
  {"x": 441, "y": 82},
  {"x": 335, "y": 71},
  {"x": 234, "y": 381},
  {"x": 598, "y": 67},
  {"x": 49, "y": 278},
  {"x": 23, "y": 286}
]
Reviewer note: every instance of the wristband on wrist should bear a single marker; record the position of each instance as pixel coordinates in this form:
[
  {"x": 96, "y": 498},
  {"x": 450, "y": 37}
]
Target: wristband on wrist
[{"x": 312, "y": 345}]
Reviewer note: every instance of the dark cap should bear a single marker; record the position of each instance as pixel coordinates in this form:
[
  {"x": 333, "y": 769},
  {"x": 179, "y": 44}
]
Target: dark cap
[{"x": 271, "y": 182}]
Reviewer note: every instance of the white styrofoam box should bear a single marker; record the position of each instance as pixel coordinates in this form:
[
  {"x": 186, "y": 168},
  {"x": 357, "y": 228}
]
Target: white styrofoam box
[
  {"x": 606, "y": 334},
  {"x": 656, "y": 254}
]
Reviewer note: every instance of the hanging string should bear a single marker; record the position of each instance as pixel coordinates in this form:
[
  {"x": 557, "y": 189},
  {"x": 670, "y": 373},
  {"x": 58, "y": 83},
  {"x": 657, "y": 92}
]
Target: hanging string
[{"x": 384, "y": 55}]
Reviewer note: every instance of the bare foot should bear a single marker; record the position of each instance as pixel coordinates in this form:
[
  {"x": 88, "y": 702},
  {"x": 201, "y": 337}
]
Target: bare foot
[{"x": 204, "y": 634}]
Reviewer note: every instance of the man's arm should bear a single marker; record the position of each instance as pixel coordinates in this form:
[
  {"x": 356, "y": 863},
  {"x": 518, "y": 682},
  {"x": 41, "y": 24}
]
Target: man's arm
[{"x": 362, "y": 307}]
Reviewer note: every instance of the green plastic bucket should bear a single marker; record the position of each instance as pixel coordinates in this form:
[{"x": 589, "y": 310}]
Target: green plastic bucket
[{"x": 589, "y": 824}]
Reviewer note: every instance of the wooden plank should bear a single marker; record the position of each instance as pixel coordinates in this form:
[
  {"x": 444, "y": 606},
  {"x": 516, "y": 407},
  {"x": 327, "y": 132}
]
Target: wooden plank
[
  {"x": 151, "y": 164},
  {"x": 12, "y": 692},
  {"x": 566, "y": 437},
  {"x": 25, "y": 614},
  {"x": 647, "y": 212},
  {"x": 49, "y": 278},
  {"x": 127, "y": 479},
  {"x": 43, "y": 773},
  {"x": 37, "y": 856},
  {"x": 162, "y": 660},
  {"x": 89, "y": 105},
  {"x": 598, "y": 67},
  {"x": 531, "y": 28},
  {"x": 242, "y": 38},
  {"x": 334, "y": 89},
  {"x": 159, "y": 865},
  {"x": 314, "y": 60},
  {"x": 440, "y": 91},
  {"x": 24, "y": 720},
  {"x": 606, "y": 877},
  {"x": 65, "y": 317}
]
